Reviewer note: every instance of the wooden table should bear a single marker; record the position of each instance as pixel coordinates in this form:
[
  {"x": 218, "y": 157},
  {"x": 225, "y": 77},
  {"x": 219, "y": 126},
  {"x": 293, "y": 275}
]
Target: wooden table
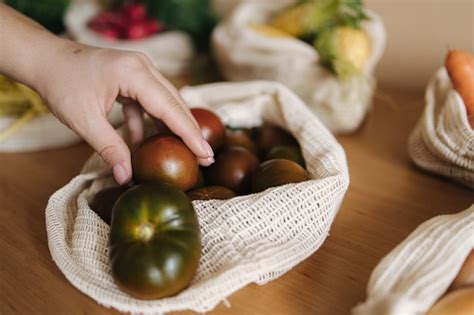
[{"x": 387, "y": 198}]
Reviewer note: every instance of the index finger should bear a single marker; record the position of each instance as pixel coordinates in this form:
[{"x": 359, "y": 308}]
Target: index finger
[{"x": 157, "y": 100}]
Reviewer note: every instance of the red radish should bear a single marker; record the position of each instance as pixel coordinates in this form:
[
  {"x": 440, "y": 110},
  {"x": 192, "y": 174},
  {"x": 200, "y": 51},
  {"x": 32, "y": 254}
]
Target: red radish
[
  {"x": 134, "y": 12},
  {"x": 136, "y": 31},
  {"x": 130, "y": 22},
  {"x": 460, "y": 67},
  {"x": 152, "y": 26},
  {"x": 106, "y": 17},
  {"x": 110, "y": 34}
]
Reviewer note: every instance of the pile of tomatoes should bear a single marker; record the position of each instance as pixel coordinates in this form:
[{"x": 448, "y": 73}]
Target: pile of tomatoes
[
  {"x": 155, "y": 236},
  {"x": 130, "y": 22}
]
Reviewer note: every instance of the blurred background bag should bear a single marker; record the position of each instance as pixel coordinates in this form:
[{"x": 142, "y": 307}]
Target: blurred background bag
[
  {"x": 246, "y": 49},
  {"x": 416, "y": 273},
  {"x": 26, "y": 124},
  {"x": 443, "y": 141}
]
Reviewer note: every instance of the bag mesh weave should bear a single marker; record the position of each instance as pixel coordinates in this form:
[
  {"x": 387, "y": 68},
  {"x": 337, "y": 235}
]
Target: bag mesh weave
[
  {"x": 244, "y": 54},
  {"x": 414, "y": 275},
  {"x": 247, "y": 239},
  {"x": 443, "y": 141}
]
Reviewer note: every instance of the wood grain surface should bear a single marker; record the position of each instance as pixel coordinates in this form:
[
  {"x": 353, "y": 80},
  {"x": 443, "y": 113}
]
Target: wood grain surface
[{"x": 387, "y": 199}]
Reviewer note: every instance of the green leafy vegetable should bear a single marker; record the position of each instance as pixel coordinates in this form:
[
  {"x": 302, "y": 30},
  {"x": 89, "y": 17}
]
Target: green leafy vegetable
[
  {"x": 327, "y": 14},
  {"x": 330, "y": 58},
  {"x": 333, "y": 27},
  {"x": 191, "y": 16}
]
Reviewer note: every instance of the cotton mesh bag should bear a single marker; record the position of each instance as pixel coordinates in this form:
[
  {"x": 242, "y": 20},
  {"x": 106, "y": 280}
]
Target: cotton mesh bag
[
  {"x": 443, "y": 141},
  {"x": 171, "y": 51},
  {"x": 247, "y": 239},
  {"x": 414, "y": 275},
  {"x": 244, "y": 54}
]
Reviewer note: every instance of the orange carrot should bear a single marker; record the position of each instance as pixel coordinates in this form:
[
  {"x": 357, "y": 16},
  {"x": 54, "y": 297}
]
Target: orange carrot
[{"x": 460, "y": 66}]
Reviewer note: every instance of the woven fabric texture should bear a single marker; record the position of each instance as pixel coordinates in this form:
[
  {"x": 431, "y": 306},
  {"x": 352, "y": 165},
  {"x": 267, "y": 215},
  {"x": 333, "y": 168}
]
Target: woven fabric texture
[
  {"x": 171, "y": 52},
  {"x": 248, "y": 239},
  {"x": 46, "y": 132},
  {"x": 443, "y": 141},
  {"x": 244, "y": 54},
  {"x": 414, "y": 275}
]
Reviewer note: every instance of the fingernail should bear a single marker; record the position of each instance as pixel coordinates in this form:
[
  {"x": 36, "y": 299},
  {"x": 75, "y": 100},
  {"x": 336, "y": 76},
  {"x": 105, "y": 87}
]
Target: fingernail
[
  {"x": 120, "y": 174},
  {"x": 207, "y": 161},
  {"x": 207, "y": 148}
]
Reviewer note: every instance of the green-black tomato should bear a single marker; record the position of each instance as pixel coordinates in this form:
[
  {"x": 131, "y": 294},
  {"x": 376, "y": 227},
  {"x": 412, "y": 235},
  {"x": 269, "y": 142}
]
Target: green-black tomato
[
  {"x": 212, "y": 128},
  {"x": 278, "y": 172},
  {"x": 201, "y": 182},
  {"x": 165, "y": 158},
  {"x": 236, "y": 137},
  {"x": 233, "y": 169},
  {"x": 287, "y": 152},
  {"x": 211, "y": 192},
  {"x": 104, "y": 201},
  {"x": 268, "y": 136},
  {"x": 155, "y": 242}
]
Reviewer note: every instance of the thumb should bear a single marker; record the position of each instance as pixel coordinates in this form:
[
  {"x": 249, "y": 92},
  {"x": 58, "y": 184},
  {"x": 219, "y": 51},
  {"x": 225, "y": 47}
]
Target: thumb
[{"x": 103, "y": 138}]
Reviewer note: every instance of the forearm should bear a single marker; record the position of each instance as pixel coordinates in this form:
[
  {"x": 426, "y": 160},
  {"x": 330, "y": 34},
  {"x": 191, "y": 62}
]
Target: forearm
[{"x": 27, "y": 50}]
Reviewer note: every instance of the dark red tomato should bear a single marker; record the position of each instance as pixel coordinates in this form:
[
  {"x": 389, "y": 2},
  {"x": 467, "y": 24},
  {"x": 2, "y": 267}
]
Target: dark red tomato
[
  {"x": 211, "y": 127},
  {"x": 155, "y": 242},
  {"x": 211, "y": 192},
  {"x": 104, "y": 200},
  {"x": 233, "y": 169},
  {"x": 240, "y": 138},
  {"x": 200, "y": 181},
  {"x": 278, "y": 172},
  {"x": 292, "y": 153},
  {"x": 268, "y": 136},
  {"x": 161, "y": 127},
  {"x": 165, "y": 159}
]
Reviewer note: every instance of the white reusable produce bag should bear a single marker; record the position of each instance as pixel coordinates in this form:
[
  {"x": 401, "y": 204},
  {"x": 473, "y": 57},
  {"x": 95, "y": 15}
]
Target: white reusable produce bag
[
  {"x": 414, "y": 275},
  {"x": 443, "y": 141},
  {"x": 171, "y": 51},
  {"x": 45, "y": 132},
  {"x": 248, "y": 239},
  {"x": 244, "y": 54}
]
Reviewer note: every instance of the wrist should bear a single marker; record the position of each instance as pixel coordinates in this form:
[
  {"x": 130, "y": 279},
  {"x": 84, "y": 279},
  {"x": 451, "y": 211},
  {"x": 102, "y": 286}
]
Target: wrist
[
  {"x": 30, "y": 51},
  {"x": 51, "y": 54}
]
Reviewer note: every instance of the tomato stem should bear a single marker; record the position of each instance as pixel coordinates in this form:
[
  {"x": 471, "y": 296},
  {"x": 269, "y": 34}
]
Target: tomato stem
[{"x": 145, "y": 232}]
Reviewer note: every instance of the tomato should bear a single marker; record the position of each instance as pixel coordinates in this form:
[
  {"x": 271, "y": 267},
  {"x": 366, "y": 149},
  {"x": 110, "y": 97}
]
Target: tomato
[
  {"x": 240, "y": 138},
  {"x": 165, "y": 159},
  {"x": 211, "y": 127},
  {"x": 292, "y": 153},
  {"x": 104, "y": 200},
  {"x": 211, "y": 192},
  {"x": 268, "y": 136},
  {"x": 233, "y": 169},
  {"x": 161, "y": 127},
  {"x": 278, "y": 172},
  {"x": 155, "y": 242},
  {"x": 200, "y": 181}
]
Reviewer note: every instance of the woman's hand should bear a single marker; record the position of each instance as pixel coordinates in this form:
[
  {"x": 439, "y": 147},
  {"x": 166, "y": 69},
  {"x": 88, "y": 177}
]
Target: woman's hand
[{"x": 82, "y": 85}]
